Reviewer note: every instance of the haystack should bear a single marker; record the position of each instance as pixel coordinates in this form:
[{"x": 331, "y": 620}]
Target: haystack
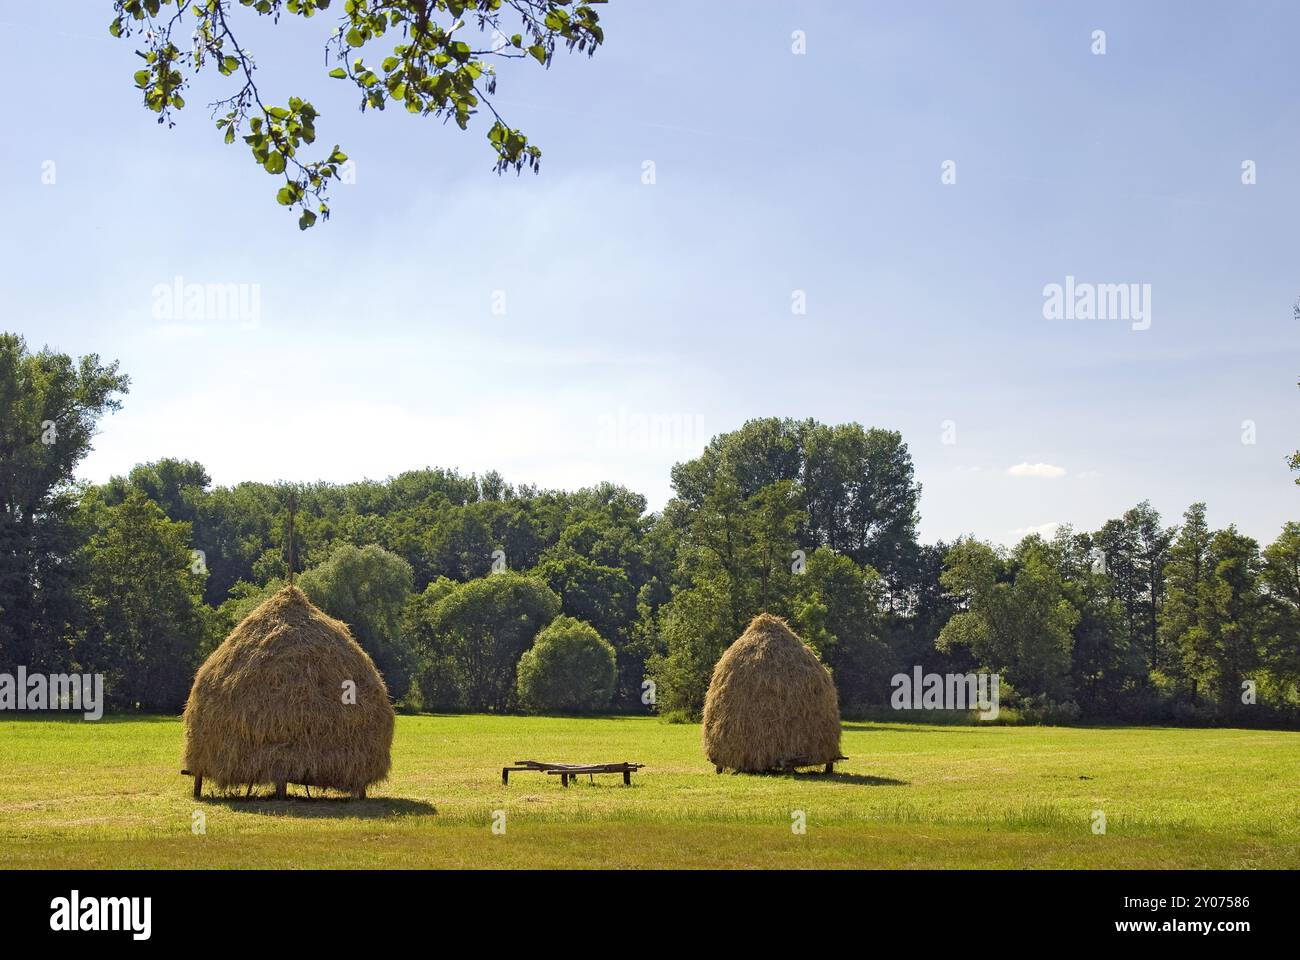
[
  {"x": 289, "y": 697},
  {"x": 771, "y": 704}
]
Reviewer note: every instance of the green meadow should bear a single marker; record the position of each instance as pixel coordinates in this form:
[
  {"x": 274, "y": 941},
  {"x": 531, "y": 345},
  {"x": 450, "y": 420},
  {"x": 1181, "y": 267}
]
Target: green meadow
[{"x": 109, "y": 794}]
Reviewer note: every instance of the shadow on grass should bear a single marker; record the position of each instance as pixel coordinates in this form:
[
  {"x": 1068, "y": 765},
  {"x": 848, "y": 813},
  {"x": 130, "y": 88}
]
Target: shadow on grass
[
  {"x": 346, "y": 808},
  {"x": 852, "y": 779}
]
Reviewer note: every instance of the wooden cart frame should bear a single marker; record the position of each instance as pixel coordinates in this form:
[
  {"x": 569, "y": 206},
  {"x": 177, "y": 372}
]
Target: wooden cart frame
[{"x": 568, "y": 771}]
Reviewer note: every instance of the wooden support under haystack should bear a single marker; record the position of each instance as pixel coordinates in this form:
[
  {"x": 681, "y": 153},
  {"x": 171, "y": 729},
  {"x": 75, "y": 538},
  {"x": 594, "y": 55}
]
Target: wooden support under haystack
[
  {"x": 793, "y": 766},
  {"x": 281, "y": 789}
]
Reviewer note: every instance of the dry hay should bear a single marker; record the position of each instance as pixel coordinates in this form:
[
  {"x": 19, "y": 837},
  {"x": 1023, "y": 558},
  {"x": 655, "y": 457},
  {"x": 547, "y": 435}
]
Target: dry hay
[
  {"x": 771, "y": 703},
  {"x": 268, "y": 706}
]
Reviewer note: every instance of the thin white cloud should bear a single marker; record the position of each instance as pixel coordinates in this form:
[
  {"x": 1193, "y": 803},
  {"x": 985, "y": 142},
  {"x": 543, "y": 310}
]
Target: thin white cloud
[{"x": 1047, "y": 470}]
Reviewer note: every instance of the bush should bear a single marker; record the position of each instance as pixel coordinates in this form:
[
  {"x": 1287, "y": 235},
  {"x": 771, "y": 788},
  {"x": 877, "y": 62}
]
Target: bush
[
  {"x": 679, "y": 716},
  {"x": 1042, "y": 710},
  {"x": 568, "y": 669},
  {"x": 1186, "y": 714}
]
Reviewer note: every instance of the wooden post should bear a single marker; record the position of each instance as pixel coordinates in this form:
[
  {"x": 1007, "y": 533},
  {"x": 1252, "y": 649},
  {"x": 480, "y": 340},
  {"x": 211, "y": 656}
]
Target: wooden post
[
  {"x": 564, "y": 779},
  {"x": 505, "y": 776},
  {"x": 830, "y": 767},
  {"x": 198, "y": 786},
  {"x": 627, "y": 777},
  {"x": 293, "y": 508},
  {"x": 282, "y": 791},
  {"x": 361, "y": 794}
]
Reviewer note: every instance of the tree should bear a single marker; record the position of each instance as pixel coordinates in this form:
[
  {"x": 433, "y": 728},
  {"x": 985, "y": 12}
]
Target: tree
[
  {"x": 437, "y": 675},
  {"x": 441, "y": 65},
  {"x": 1017, "y": 619},
  {"x": 49, "y": 406},
  {"x": 368, "y": 588},
  {"x": 1189, "y": 573},
  {"x": 568, "y": 669},
  {"x": 177, "y": 486},
  {"x": 747, "y": 514},
  {"x": 1219, "y": 615},
  {"x": 1281, "y": 578},
  {"x": 1228, "y": 635},
  {"x": 735, "y": 558},
  {"x": 855, "y": 488},
  {"x": 479, "y": 630},
  {"x": 608, "y": 525},
  {"x": 837, "y": 610},
  {"x": 695, "y": 628},
  {"x": 147, "y": 624},
  {"x": 1106, "y": 666},
  {"x": 1136, "y": 549},
  {"x": 861, "y": 496},
  {"x": 919, "y": 606}
]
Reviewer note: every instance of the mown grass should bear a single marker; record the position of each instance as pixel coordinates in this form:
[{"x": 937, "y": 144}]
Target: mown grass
[{"x": 108, "y": 794}]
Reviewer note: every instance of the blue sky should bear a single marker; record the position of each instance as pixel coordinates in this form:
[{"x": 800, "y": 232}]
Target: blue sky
[{"x": 377, "y": 348}]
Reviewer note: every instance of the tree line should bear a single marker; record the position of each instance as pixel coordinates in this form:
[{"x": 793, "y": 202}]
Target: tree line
[{"x": 471, "y": 593}]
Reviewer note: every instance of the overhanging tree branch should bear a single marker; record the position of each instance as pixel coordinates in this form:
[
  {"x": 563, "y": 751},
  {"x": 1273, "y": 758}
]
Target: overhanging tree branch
[{"x": 431, "y": 72}]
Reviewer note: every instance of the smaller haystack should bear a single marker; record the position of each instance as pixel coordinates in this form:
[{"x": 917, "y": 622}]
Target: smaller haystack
[
  {"x": 771, "y": 703},
  {"x": 289, "y": 697}
]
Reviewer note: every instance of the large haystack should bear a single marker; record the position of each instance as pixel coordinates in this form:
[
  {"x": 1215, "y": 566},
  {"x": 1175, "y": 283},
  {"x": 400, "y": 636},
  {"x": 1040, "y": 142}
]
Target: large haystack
[
  {"x": 271, "y": 705},
  {"x": 771, "y": 704}
]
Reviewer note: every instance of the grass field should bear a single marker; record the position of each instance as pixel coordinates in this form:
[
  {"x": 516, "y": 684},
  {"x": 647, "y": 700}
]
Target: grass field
[{"x": 108, "y": 794}]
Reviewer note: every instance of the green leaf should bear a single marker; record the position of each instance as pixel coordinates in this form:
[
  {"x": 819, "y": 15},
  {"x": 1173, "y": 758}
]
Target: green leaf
[
  {"x": 538, "y": 52},
  {"x": 338, "y": 73},
  {"x": 306, "y": 220},
  {"x": 285, "y": 196},
  {"x": 274, "y": 163}
]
